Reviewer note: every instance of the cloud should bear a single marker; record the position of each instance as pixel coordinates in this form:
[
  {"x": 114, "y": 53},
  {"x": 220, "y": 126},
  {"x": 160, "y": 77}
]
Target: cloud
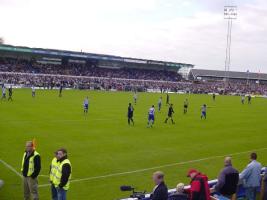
[{"x": 188, "y": 31}]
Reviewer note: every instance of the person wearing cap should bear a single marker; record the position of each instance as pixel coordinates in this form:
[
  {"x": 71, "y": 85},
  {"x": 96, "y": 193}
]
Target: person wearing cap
[
  {"x": 199, "y": 188},
  {"x": 179, "y": 194},
  {"x": 160, "y": 191},
  {"x": 63, "y": 174},
  {"x": 227, "y": 180},
  {"x": 31, "y": 166},
  {"x": 52, "y": 175},
  {"x": 251, "y": 177}
]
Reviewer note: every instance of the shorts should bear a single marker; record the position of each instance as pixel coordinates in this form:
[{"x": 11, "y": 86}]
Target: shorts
[
  {"x": 86, "y": 106},
  {"x": 204, "y": 114},
  {"x": 151, "y": 117}
]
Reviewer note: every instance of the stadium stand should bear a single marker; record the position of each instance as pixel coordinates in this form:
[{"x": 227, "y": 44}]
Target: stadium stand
[
  {"x": 213, "y": 75},
  {"x": 47, "y": 68}
]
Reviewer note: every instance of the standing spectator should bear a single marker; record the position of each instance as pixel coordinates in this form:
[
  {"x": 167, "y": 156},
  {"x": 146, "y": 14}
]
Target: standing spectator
[
  {"x": 63, "y": 174},
  {"x": 251, "y": 177},
  {"x": 199, "y": 188},
  {"x": 227, "y": 180},
  {"x": 31, "y": 166},
  {"x": 160, "y": 191},
  {"x": 179, "y": 194}
]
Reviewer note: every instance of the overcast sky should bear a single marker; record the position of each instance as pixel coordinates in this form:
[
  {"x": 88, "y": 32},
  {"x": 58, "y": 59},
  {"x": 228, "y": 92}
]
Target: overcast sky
[{"x": 190, "y": 31}]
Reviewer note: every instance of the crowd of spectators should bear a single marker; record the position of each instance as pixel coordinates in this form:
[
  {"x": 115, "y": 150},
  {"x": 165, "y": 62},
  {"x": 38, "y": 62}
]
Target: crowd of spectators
[
  {"x": 79, "y": 69},
  {"x": 81, "y": 76},
  {"x": 226, "y": 186}
]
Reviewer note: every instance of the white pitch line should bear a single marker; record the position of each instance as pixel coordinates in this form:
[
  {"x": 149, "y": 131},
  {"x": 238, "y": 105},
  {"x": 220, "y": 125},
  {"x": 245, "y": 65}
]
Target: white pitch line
[
  {"x": 11, "y": 168},
  {"x": 158, "y": 167}
]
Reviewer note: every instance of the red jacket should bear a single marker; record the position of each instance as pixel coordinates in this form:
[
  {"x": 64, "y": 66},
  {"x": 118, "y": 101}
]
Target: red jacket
[{"x": 199, "y": 189}]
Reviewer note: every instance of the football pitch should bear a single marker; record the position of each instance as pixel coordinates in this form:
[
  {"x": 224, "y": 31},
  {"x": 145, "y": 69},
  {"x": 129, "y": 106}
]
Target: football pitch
[{"x": 106, "y": 153}]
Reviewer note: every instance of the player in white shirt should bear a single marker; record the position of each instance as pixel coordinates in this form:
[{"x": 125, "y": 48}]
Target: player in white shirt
[
  {"x": 135, "y": 98},
  {"x": 159, "y": 103},
  {"x": 151, "y": 116},
  {"x": 33, "y": 91},
  {"x": 243, "y": 99}
]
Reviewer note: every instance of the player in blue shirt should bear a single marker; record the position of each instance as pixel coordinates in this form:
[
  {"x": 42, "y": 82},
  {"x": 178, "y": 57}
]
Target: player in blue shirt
[
  {"x": 204, "y": 111},
  {"x": 151, "y": 116},
  {"x": 85, "y": 105},
  {"x": 3, "y": 92}
]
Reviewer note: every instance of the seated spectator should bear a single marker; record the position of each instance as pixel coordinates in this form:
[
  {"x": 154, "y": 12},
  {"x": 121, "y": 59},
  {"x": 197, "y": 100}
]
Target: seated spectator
[
  {"x": 227, "y": 180},
  {"x": 179, "y": 194},
  {"x": 160, "y": 191},
  {"x": 199, "y": 187}
]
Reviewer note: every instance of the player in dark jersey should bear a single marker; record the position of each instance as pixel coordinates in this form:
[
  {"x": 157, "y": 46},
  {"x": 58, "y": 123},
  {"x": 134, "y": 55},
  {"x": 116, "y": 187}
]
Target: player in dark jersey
[
  {"x": 167, "y": 99},
  {"x": 249, "y": 99},
  {"x": 214, "y": 96},
  {"x": 60, "y": 90},
  {"x": 186, "y": 106},
  {"x": 130, "y": 114},
  {"x": 170, "y": 112},
  {"x": 10, "y": 92}
]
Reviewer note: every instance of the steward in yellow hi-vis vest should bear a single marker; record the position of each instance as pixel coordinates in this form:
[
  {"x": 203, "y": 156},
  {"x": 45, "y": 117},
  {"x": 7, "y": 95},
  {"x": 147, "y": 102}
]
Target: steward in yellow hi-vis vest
[
  {"x": 62, "y": 177},
  {"x": 30, "y": 168},
  {"x": 52, "y": 174}
]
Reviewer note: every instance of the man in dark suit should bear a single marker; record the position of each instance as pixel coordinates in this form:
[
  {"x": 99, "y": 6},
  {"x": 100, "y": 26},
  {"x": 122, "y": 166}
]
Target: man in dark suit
[{"x": 160, "y": 191}]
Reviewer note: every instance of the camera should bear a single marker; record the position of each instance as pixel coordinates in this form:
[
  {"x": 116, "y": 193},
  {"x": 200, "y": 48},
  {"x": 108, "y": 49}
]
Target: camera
[{"x": 135, "y": 194}]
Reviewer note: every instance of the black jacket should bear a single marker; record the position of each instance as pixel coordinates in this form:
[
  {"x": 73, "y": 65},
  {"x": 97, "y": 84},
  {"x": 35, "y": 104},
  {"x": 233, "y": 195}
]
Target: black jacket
[
  {"x": 178, "y": 196},
  {"x": 37, "y": 165},
  {"x": 227, "y": 181},
  {"x": 160, "y": 193},
  {"x": 66, "y": 171}
]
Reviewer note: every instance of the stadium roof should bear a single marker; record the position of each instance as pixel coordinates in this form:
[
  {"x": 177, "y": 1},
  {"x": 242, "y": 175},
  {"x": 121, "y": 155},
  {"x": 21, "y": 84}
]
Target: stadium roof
[
  {"x": 232, "y": 74},
  {"x": 83, "y": 55}
]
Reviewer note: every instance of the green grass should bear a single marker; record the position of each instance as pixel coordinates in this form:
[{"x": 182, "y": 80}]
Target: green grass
[{"x": 102, "y": 143}]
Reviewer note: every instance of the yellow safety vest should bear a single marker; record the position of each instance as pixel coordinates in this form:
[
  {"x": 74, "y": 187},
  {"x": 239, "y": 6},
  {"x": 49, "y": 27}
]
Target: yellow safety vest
[
  {"x": 31, "y": 163},
  {"x": 59, "y": 175},
  {"x": 53, "y": 169}
]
